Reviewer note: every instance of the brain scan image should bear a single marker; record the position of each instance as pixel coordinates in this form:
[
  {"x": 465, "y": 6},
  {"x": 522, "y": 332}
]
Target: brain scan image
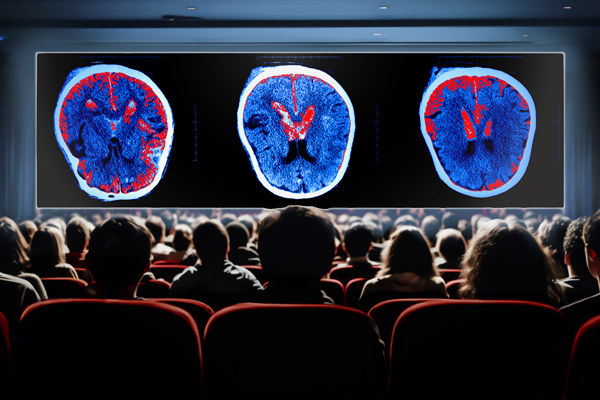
[
  {"x": 115, "y": 128},
  {"x": 297, "y": 127},
  {"x": 479, "y": 125}
]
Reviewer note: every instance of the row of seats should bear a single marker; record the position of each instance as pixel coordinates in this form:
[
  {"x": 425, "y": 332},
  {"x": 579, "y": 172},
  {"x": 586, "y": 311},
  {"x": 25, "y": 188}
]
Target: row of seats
[{"x": 181, "y": 349}]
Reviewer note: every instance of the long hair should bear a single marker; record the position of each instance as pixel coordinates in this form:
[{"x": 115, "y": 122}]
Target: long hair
[
  {"x": 14, "y": 257},
  {"x": 409, "y": 251},
  {"x": 505, "y": 261},
  {"x": 46, "y": 249}
]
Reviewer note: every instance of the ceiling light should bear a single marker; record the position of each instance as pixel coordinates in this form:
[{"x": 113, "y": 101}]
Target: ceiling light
[
  {"x": 377, "y": 34},
  {"x": 525, "y": 35},
  {"x": 192, "y": 8},
  {"x": 567, "y": 7},
  {"x": 383, "y": 7}
]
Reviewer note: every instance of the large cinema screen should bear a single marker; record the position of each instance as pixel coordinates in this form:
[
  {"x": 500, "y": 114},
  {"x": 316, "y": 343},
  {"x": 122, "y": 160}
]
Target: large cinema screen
[{"x": 254, "y": 130}]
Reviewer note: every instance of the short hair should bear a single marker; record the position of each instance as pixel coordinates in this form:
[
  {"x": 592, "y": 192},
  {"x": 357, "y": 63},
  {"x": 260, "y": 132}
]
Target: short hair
[
  {"x": 211, "y": 241},
  {"x": 431, "y": 226},
  {"x": 182, "y": 237},
  {"x": 451, "y": 244},
  {"x": 157, "y": 228},
  {"x": 505, "y": 261},
  {"x": 409, "y": 251},
  {"x": 358, "y": 240},
  {"x": 78, "y": 232},
  {"x": 238, "y": 234},
  {"x": 591, "y": 232},
  {"x": 574, "y": 247},
  {"x": 296, "y": 241},
  {"x": 450, "y": 220},
  {"x": 553, "y": 234},
  {"x": 119, "y": 251}
]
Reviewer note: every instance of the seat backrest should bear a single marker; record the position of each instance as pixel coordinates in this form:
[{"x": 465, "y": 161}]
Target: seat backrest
[
  {"x": 88, "y": 348},
  {"x": 353, "y": 291},
  {"x": 199, "y": 311},
  {"x": 292, "y": 351},
  {"x": 449, "y": 274},
  {"x": 345, "y": 273},
  {"x": 153, "y": 288},
  {"x": 334, "y": 289},
  {"x": 482, "y": 349},
  {"x": 64, "y": 288},
  {"x": 7, "y": 375},
  {"x": 453, "y": 286},
  {"x": 385, "y": 315},
  {"x": 584, "y": 368}
]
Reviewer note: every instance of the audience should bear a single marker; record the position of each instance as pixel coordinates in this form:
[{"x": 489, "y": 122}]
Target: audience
[
  {"x": 507, "y": 262},
  {"x": 156, "y": 226},
  {"x": 451, "y": 247},
  {"x": 78, "y": 236},
  {"x": 182, "y": 243},
  {"x": 580, "y": 283},
  {"x": 240, "y": 253},
  {"x": 214, "y": 280},
  {"x": 48, "y": 258},
  {"x": 296, "y": 246},
  {"x": 119, "y": 253},
  {"x": 407, "y": 271}
]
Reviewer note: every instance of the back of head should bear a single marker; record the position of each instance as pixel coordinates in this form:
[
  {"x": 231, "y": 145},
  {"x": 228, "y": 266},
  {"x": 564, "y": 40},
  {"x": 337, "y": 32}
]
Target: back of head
[
  {"x": 451, "y": 244},
  {"x": 574, "y": 247},
  {"x": 507, "y": 262},
  {"x": 46, "y": 248},
  {"x": 296, "y": 242},
  {"x": 119, "y": 251},
  {"x": 27, "y": 229},
  {"x": 431, "y": 226},
  {"x": 157, "y": 228},
  {"x": 14, "y": 257},
  {"x": 358, "y": 240},
  {"x": 238, "y": 234},
  {"x": 182, "y": 238},
  {"x": 78, "y": 233},
  {"x": 211, "y": 242},
  {"x": 450, "y": 220},
  {"x": 591, "y": 232},
  {"x": 409, "y": 251}
]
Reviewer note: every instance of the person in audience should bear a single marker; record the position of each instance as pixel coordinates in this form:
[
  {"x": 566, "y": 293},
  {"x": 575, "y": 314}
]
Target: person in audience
[
  {"x": 358, "y": 241},
  {"x": 407, "y": 271},
  {"x": 505, "y": 261},
  {"x": 430, "y": 226},
  {"x": 580, "y": 283},
  {"x": 48, "y": 258},
  {"x": 296, "y": 246},
  {"x": 240, "y": 253},
  {"x": 27, "y": 228},
  {"x": 119, "y": 254},
  {"x": 78, "y": 235},
  {"x": 450, "y": 220},
  {"x": 182, "y": 243},
  {"x": 156, "y": 226},
  {"x": 552, "y": 235},
  {"x": 215, "y": 280},
  {"x": 14, "y": 258},
  {"x": 451, "y": 247},
  {"x": 579, "y": 312}
]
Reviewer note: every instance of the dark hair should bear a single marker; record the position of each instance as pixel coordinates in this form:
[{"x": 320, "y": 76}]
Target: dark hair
[
  {"x": 296, "y": 241},
  {"x": 591, "y": 232},
  {"x": 211, "y": 241},
  {"x": 451, "y": 244},
  {"x": 431, "y": 226},
  {"x": 46, "y": 249},
  {"x": 450, "y": 220},
  {"x": 119, "y": 251},
  {"x": 78, "y": 232},
  {"x": 409, "y": 251},
  {"x": 574, "y": 247},
  {"x": 182, "y": 237},
  {"x": 27, "y": 229},
  {"x": 14, "y": 256},
  {"x": 238, "y": 234},
  {"x": 358, "y": 240},
  {"x": 507, "y": 262},
  {"x": 156, "y": 226}
]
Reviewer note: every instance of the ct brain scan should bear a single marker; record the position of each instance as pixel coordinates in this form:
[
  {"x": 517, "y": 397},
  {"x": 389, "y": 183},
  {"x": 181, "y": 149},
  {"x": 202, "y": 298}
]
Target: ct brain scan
[
  {"x": 297, "y": 126},
  {"x": 115, "y": 128},
  {"x": 479, "y": 126}
]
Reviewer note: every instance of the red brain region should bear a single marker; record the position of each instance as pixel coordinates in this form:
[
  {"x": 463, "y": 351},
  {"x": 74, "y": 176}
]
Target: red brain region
[
  {"x": 479, "y": 126},
  {"x": 115, "y": 128}
]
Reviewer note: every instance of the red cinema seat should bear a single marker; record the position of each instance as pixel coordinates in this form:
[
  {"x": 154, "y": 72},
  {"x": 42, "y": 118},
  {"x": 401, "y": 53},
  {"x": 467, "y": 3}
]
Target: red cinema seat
[
  {"x": 293, "y": 351},
  {"x": 345, "y": 273},
  {"x": 448, "y": 274},
  {"x": 333, "y": 289},
  {"x": 199, "y": 311},
  {"x": 481, "y": 349},
  {"x": 64, "y": 288},
  {"x": 452, "y": 288},
  {"x": 584, "y": 369},
  {"x": 101, "y": 349},
  {"x": 167, "y": 271},
  {"x": 353, "y": 291}
]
